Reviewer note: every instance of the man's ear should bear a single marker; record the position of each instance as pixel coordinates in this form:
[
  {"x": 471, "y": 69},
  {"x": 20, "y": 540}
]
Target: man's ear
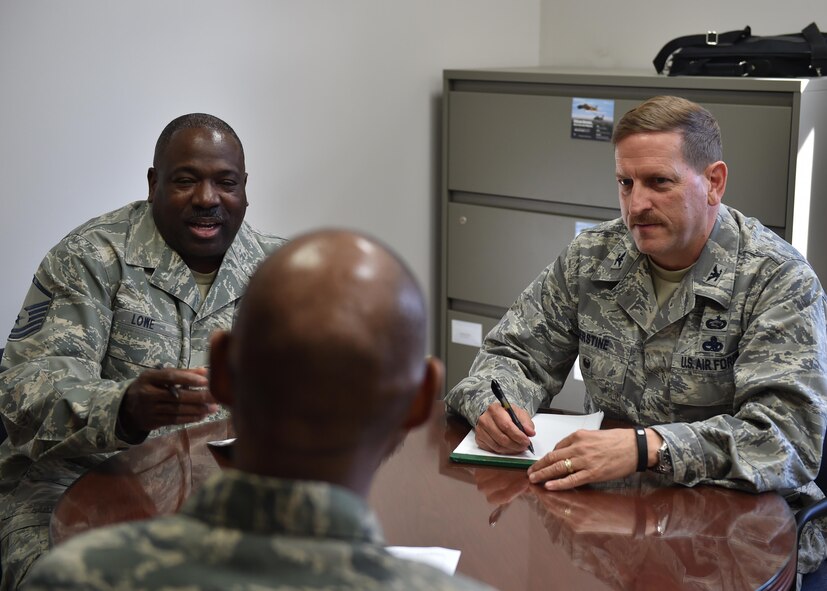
[
  {"x": 151, "y": 180},
  {"x": 221, "y": 372},
  {"x": 429, "y": 389},
  {"x": 716, "y": 175}
]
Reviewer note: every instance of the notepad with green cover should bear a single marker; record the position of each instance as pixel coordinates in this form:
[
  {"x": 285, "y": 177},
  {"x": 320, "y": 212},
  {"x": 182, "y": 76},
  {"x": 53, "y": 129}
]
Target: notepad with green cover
[{"x": 550, "y": 428}]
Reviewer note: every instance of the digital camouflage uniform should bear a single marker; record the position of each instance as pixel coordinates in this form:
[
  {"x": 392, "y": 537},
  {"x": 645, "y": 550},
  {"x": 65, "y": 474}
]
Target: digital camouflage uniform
[
  {"x": 730, "y": 372},
  {"x": 109, "y": 301},
  {"x": 243, "y": 532}
]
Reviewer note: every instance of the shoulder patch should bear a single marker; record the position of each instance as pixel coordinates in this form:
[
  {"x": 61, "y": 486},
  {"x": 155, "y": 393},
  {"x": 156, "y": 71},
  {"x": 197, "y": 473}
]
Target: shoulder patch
[{"x": 33, "y": 315}]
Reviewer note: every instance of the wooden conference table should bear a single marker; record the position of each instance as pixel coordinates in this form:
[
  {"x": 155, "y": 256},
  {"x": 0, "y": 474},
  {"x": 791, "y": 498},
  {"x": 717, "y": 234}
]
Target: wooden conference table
[{"x": 635, "y": 534}]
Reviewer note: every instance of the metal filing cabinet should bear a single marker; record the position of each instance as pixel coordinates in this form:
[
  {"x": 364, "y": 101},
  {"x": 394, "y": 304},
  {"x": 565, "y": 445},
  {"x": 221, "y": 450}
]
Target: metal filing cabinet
[{"x": 517, "y": 186}]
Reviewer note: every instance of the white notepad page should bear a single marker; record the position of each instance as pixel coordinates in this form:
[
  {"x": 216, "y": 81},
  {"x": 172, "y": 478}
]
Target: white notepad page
[{"x": 551, "y": 428}]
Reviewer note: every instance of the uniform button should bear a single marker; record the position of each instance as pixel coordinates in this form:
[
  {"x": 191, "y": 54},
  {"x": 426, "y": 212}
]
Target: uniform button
[{"x": 100, "y": 440}]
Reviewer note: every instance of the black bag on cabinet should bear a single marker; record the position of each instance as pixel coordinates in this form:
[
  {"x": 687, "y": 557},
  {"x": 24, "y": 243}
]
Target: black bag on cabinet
[{"x": 740, "y": 53}]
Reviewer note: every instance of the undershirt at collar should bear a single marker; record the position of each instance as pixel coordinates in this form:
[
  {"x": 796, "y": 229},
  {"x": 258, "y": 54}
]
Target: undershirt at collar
[
  {"x": 666, "y": 282},
  {"x": 204, "y": 282}
]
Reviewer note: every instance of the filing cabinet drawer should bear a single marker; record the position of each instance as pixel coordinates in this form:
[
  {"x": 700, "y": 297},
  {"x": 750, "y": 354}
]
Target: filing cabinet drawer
[
  {"x": 494, "y": 253},
  {"x": 520, "y": 145}
]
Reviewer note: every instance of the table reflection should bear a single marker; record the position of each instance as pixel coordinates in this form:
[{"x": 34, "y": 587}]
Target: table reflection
[
  {"x": 638, "y": 533},
  {"x": 641, "y": 535},
  {"x": 154, "y": 478},
  {"x": 635, "y": 534}
]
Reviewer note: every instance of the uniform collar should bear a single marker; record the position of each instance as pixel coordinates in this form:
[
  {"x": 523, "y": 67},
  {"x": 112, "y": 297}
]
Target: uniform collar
[
  {"x": 712, "y": 276},
  {"x": 622, "y": 259},
  {"x": 272, "y": 506},
  {"x": 145, "y": 247}
]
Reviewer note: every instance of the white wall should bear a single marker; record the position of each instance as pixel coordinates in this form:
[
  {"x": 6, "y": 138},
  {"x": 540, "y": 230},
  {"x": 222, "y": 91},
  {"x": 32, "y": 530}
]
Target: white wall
[
  {"x": 629, "y": 34},
  {"x": 336, "y": 102}
]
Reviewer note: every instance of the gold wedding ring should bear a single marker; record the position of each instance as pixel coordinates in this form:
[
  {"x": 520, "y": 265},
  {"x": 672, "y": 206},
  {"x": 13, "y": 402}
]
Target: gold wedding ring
[{"x": 569, "y": 469}]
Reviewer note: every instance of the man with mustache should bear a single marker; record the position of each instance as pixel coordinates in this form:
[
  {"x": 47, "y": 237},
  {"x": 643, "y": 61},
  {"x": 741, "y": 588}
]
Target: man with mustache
[
  {"x": 110, "y": 346},
  {"x": 690, "y": 320}
]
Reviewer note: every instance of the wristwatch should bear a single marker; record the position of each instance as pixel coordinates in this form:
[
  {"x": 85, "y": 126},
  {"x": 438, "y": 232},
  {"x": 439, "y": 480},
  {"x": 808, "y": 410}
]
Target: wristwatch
[{"x": 664, "y": 465}]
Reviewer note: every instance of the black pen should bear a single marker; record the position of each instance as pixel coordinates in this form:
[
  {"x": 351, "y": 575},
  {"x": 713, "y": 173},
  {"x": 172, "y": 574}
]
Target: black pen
[
  {"x": 495, "y": 515},
  {"x": 495, "y": 387}
]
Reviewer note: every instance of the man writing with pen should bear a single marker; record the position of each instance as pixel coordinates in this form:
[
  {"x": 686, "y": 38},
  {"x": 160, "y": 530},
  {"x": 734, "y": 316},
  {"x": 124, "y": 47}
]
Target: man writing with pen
[
  {"x": 693, "y": 323},
  {"x": 500, "y": 395},
  {"x": 111, "y": 343}
]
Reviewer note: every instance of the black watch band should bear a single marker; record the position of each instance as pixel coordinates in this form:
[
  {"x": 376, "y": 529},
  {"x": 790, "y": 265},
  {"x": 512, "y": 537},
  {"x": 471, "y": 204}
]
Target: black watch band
[{"x": 642, "y": 449}]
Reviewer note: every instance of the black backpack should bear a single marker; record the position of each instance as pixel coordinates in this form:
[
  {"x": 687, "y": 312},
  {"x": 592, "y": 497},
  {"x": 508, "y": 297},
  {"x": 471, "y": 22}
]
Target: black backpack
[{"x": 740, "y": 53}]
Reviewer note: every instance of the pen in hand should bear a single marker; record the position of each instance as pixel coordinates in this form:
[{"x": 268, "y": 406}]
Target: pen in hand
[
  {"x": 171, "y": 388},
  {"x": 495, "y": 387},
  {"x": 175, "y": 389}
]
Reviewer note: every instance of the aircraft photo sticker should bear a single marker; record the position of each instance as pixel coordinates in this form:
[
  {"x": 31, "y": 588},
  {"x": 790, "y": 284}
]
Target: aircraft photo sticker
[{"x": 592, "y": 119}]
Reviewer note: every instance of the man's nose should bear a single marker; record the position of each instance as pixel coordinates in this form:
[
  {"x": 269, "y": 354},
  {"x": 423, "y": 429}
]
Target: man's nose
[
  {"x": 205, "y": 194},
  {"x": 638, "y": 200}
]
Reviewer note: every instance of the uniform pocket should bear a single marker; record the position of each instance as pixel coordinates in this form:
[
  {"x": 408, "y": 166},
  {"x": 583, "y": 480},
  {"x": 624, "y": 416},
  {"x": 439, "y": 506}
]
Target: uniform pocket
[
  {"x": 702, "y": 386},
  {"x": 603, "y": 365},
  {"x": 138, "y": 341}
]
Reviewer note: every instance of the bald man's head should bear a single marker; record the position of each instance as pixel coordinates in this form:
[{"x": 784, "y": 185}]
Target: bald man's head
[{"x": 326, "y": 357}]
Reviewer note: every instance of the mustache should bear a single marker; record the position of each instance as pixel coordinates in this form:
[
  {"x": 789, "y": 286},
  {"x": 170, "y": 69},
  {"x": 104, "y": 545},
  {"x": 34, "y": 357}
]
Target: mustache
[
  {"x": 643, "y": 220},
  {"x": 212, "y": 214}
]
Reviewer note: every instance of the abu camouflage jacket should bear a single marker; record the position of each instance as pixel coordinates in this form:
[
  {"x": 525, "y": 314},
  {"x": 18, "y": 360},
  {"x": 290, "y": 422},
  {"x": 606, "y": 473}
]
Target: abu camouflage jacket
[
  {"x": 244, "y": 532},
  {"x": 110, "y": 300},
  {"x": 730, "y": 371}
]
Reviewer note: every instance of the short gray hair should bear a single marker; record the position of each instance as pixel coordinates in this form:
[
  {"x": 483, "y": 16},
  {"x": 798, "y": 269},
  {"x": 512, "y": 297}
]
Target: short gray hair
[{"x": 700, "y": 130}]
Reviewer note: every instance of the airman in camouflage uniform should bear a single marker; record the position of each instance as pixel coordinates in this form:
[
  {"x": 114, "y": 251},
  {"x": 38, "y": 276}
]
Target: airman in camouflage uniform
[
  {"x": 109, "y": 305},
  {"x": 348, "y": 337},
  {"x": 727, "y": 374},
  {"x": 301, "y": 535}
]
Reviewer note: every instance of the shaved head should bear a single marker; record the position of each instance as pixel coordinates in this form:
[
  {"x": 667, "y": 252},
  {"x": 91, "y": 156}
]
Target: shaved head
[{"x": 327, "y": 355}]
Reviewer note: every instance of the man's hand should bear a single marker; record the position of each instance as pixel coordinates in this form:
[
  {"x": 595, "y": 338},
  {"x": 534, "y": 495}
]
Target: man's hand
[
  {"x": 167, "y": 396},
  {"x": 495, "y": 431},
  {"x": 594, "y": 456},
  {"x": 597, "y": 511},
  {"x": 500, "y": 487}
]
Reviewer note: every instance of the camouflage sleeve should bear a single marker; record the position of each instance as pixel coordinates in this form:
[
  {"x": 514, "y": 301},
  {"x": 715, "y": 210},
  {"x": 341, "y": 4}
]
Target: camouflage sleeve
[
  {"x": 773, "y": 441},
  {"x": 530, "y": 351},
  {"x": 53, "y": 400}
]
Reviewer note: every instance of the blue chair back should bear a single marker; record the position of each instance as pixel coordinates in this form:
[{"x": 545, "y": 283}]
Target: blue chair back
[
  {"x": 817, "y": 581},
  {"x": 821, "y": 477}
]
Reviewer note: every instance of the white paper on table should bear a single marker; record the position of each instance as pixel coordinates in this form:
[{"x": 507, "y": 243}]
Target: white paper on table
[
  {"x": 444, "y": 559},
  {"x": 550, "y": 428}
]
